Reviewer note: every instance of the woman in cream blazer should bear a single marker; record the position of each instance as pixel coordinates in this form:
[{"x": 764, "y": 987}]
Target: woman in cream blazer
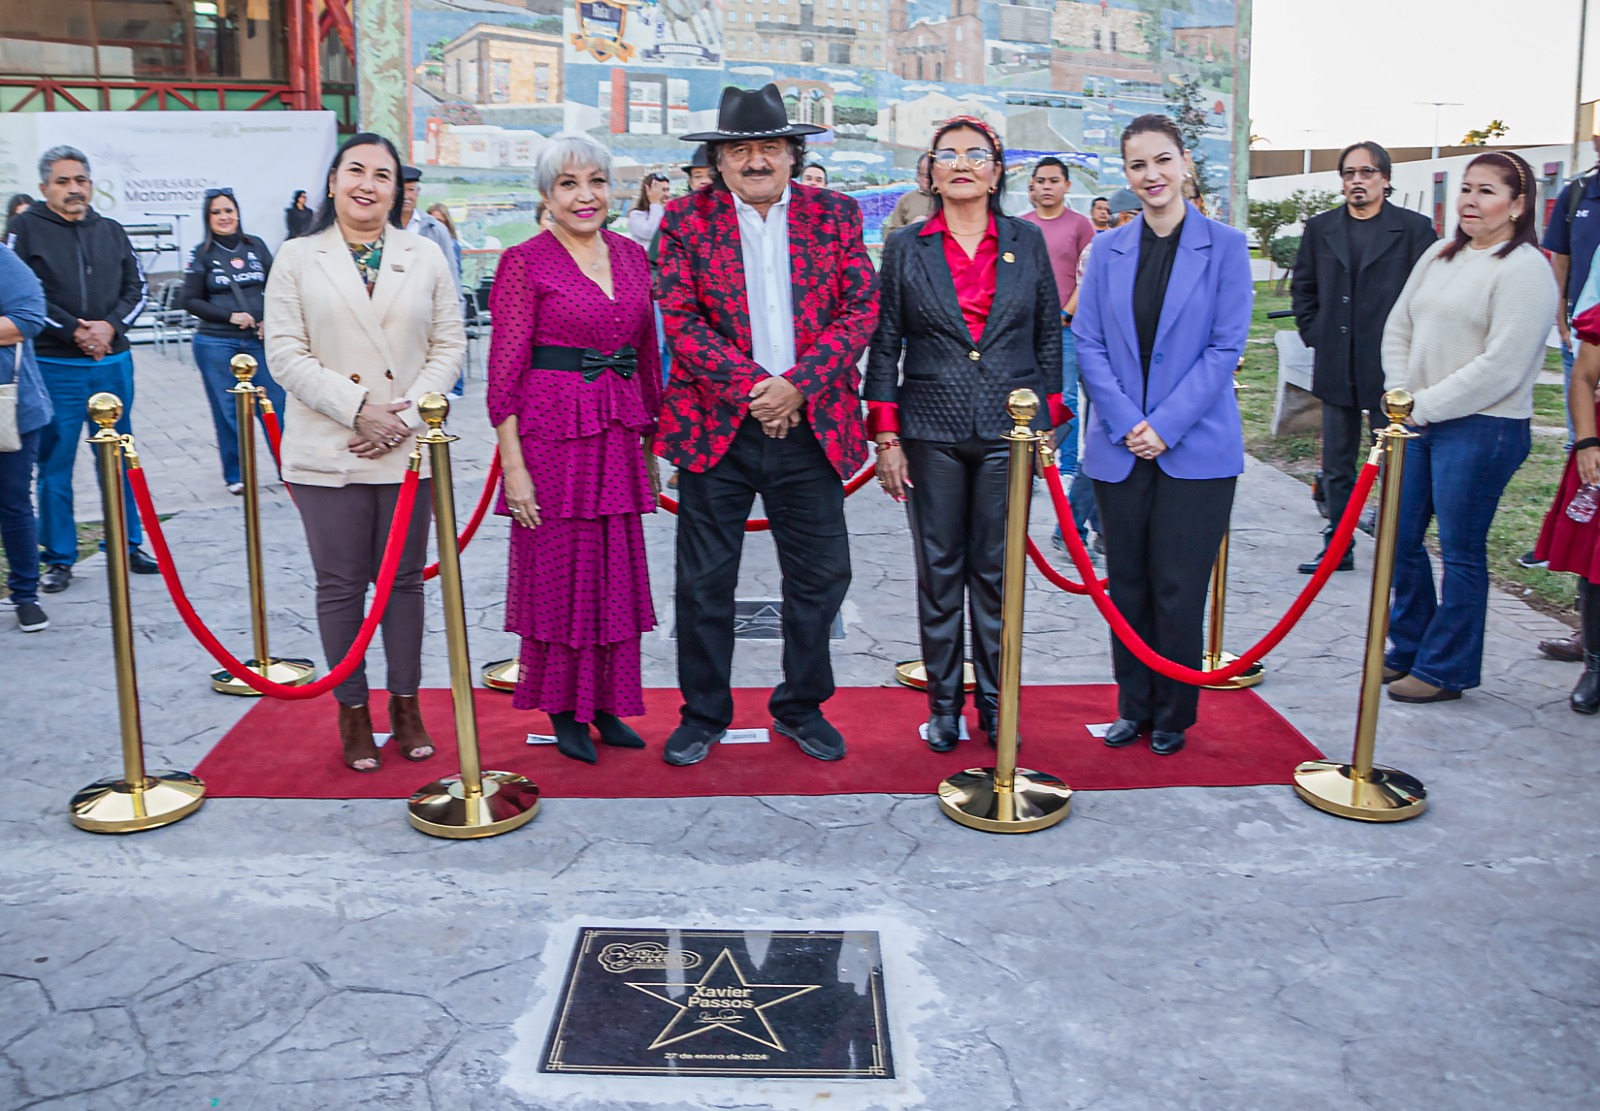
[{"x": 363, "y": 318}]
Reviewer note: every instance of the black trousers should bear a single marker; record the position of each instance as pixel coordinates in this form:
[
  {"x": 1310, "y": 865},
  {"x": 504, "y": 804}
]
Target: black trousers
[
  {"x": 957, "y": 509},
  {"x": 1342, "y": 441},
  {"x": 1162, "y": 535},
  {"x": 804, "y": 500}
]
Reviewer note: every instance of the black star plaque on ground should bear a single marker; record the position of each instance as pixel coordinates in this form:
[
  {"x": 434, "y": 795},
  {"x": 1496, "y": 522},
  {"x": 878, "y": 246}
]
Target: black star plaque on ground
[{"x": 755, "y": 1003}]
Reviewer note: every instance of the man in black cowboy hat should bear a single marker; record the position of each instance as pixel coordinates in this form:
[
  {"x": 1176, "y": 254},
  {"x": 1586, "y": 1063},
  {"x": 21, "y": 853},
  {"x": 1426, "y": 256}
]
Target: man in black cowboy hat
[
  {"x": 769, "y": 300},
  {"x": 698, "y": 168}
]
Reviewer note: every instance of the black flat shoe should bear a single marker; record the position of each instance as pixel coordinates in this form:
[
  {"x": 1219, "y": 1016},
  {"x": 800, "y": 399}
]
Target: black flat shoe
[
  {"x": 816, "y": 738},
  {"x": 572, "y": 738},
  {"x": 1348, "y": 563},
  {"x": 1165, "y": 742},
  {"x": 944, "y": 730},
  {"x": 690, "y": 744},
  {"x": 56, "y": 578},
  {"x": 616, "y": 732},
  {"x": 1123, "y": 732},
  {"x": 141, "y": 564}
]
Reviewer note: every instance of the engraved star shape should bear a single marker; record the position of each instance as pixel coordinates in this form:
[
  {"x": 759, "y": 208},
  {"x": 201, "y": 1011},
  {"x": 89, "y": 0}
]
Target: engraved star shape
[{"x": 723, "y": 973}]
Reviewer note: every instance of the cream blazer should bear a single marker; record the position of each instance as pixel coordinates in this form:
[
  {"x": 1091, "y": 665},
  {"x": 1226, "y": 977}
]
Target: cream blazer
[{"x": 332, "y": 347}]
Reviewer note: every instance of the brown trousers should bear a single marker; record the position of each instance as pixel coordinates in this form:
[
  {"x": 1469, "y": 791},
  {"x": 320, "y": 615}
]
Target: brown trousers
[{"x": 346, "y": 529}]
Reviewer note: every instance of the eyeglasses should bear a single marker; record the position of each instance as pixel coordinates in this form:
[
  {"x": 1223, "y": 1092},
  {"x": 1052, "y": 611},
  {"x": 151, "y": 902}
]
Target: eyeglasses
[
  {"x": 657, "y": 177},
  {"x": 212, "y": 194},
  {"x": 976, "y": 157},
  {"x": 1362, "y": 172}
]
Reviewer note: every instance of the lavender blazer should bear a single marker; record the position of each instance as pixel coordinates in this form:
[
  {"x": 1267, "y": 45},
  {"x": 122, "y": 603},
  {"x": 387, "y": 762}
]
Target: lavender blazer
[{"x": 1205, "y": 321}]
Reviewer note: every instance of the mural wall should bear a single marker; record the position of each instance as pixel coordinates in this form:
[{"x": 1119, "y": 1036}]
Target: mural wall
[{"x": 493, "y": 78}]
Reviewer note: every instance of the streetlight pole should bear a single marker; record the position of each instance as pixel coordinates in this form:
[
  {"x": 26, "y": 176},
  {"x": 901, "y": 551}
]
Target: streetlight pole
[{"x": 1438, "y": 104}]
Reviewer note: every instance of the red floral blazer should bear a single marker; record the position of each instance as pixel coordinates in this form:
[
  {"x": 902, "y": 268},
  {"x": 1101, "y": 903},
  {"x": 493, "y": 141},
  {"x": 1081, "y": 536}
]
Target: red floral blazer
[{"x": 701, "y": 284}]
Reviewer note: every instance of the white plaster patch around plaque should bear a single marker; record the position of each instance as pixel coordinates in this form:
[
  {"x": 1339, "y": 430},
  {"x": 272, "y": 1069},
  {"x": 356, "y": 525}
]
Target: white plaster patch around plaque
[{"x": 909, "y": 991}]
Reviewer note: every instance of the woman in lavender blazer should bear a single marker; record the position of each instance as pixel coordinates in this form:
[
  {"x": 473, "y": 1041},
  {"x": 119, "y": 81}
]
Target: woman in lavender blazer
[{"x": 1163, "y": 315}]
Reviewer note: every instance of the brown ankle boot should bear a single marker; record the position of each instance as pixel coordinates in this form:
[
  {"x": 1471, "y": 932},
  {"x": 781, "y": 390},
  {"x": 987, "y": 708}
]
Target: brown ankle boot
[
  {"x": 406, "y": 728},
  {"x": 355, "y": 734}
]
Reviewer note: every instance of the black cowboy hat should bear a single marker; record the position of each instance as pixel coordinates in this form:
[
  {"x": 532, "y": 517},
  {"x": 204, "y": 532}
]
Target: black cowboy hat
[
  {"x": 699, "y": 160},
  {"x": 759, "y": 114}
]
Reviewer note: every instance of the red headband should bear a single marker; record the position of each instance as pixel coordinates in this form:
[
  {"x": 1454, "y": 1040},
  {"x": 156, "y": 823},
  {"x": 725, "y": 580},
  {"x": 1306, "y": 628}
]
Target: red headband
[{"x": 977, "y": 125}]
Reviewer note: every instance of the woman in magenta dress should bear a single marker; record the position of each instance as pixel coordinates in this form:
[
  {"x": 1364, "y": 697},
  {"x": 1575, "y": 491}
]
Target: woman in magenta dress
[{"x": 574, "y": 388}]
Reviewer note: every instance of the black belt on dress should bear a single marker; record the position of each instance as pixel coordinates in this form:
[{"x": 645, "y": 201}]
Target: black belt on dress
[{"x": 586, "y": 361}]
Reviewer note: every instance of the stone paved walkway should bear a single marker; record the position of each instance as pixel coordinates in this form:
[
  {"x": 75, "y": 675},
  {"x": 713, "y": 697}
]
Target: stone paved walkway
[{"x": 1195, "y": 948}]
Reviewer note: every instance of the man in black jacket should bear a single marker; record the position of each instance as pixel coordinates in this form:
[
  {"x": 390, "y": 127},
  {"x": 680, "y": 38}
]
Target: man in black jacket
[
  {"x": 1353, "y": 262},
  {"x": 94, "y": 290}
]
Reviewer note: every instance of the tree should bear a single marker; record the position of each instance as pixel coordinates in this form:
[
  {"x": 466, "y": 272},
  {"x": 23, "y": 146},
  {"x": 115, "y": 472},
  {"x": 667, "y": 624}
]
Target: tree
[
  {"x": 1188, "y": 105},
  {"x": 1267, "y": 218},
  {"x": 1483, "y": 136},
  {"x": 1308, "y": 202},
  {"x": 1282, "y": 252}
]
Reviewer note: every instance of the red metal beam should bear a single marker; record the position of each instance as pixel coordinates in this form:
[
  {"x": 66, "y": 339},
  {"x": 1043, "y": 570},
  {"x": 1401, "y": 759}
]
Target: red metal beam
[
  {"x": 340, "y": 16},
  {"x": 312, "y": 57},
  {"x": 293, "y": 33}
]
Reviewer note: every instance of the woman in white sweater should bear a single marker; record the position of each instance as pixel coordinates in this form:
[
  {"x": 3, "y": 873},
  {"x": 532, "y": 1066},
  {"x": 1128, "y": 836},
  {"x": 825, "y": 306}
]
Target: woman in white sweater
[{"x": 1467, "y": 339}]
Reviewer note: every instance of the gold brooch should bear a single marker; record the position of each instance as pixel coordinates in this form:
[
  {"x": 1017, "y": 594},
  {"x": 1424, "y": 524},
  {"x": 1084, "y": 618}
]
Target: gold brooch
[{"x": 1009, "y": 257}]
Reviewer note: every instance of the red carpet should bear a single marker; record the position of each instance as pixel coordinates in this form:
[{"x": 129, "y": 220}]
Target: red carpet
[{"x": 1240, "y": 741}]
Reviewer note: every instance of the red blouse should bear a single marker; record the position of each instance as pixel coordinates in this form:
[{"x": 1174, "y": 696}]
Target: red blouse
[{"x": 974, "y": 280}]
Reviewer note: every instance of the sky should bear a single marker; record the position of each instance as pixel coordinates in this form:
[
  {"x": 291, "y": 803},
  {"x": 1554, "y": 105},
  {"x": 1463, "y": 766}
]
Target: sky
[{"x": 1325, "y": 74}]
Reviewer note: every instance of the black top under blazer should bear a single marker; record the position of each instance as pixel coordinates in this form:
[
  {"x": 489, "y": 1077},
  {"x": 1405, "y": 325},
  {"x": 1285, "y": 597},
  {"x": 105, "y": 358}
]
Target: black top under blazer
[{"x": 950, "y": 388}]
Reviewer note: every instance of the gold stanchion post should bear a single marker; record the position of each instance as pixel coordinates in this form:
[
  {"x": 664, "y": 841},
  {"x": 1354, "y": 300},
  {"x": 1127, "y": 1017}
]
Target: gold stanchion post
[
  {"x": 1361, "y": 789},
  {"x": 1006, "y": 798},
  {"x": 138, "y": 800},
  {"x": 1215, "y": 657},
  {"x": 501, "y": 675},
  {"x": 476, "y": 803},
  {"x": 289, "y": 671}
]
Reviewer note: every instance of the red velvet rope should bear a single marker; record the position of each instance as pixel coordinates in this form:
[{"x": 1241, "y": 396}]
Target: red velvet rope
[
  {"x": 761, "y": 524},
  {"x": 392, "y": 551},
  {"x": 485, "y": 500},
  {"x": 1056, "y": 577},
  {"x": 274, "y": 430},
  {"x": 1338, "y": 544}
]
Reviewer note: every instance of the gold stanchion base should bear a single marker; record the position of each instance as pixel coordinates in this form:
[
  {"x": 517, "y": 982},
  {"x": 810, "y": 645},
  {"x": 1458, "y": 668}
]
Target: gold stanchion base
[
  {"x": 501, "y": 675},
  {"x": 1251, "y": 678},
  {"x": 116, "y": 806},
  {"x": 291, "y": 672},
  {"x": 442, "y": 809},
  {"x": 1387, "y": 796},
  {"x": 912, "y": 673},
  {"x": 1037, "y": 801}
]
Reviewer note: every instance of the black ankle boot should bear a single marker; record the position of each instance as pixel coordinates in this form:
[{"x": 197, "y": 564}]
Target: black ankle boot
[
  {"x": 1586, "y": 695},
  {"x": 572, "y": 737},
  {"x": 616, "y": 732}
]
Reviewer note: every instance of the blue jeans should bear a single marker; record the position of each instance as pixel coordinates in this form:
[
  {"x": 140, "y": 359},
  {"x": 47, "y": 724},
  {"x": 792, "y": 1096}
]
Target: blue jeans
[
  {"x": 70, "y": 382},
  {"x": 1569, "y": 355},
  {"x": 1456, "y": 471},
  {"x": 661, "y": 345},
  {"x": 211, "y": 354},
  {"x": 19, "y": 532},
  {"x": 1067, "y": 435}
]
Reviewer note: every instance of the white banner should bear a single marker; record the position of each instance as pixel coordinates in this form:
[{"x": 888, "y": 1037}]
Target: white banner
[{"x": 154, "y": 167}]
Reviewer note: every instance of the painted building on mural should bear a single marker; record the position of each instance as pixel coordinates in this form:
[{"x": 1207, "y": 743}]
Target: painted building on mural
[{"x": 493, "y": 81}]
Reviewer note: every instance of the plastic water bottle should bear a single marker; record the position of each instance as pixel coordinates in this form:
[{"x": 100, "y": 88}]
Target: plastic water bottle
[{"x": 1584, "y": 503}]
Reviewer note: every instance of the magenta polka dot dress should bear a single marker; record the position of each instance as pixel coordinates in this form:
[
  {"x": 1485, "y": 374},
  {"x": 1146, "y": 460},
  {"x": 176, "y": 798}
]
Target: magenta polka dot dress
[{"x": 578, "y": 590}]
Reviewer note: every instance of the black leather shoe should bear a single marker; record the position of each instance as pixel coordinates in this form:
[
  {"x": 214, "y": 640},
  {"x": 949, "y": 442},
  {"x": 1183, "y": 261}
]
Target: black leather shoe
[
  {"x": 690, "y": 744},
  {"x": 1165, "y": 743},
  {"x": 987, "y": 724},
  {"x": 572, "y": 737},
  {"x": 141, "y": 564},
  {"x": 816, "y": 738},
  {"x": 944, "y": 730},
  {"x": 616, "y": 732},
  {"x": 56, "y": 578},
  {"x": 1348, "y": 563},
  {"x": 1123, "y": 732}
]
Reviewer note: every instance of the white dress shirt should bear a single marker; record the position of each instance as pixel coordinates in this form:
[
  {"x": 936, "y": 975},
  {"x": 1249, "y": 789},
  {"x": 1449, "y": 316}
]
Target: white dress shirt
[{"x": 764, "y": 243}]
